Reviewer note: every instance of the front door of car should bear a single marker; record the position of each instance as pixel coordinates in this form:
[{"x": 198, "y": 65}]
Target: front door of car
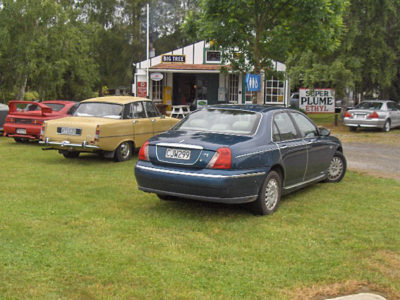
[
  {"x": 142, "y": 126},
  {"x": 319, "y": 150},
  {"x": 292, "y": 147}
]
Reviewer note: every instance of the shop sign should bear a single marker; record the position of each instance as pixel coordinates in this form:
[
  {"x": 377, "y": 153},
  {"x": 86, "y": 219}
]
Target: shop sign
[
  {"x": 170, "y": 58},
  {"x": 317, "y": 100},
  {"x": 142, "y": 89},
  {"x": 253, "y": 82},
  {"x": 156, "y": 76}
]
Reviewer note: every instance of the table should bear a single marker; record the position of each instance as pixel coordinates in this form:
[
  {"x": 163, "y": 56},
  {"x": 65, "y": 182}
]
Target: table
[{"x": 180, "y": 111}]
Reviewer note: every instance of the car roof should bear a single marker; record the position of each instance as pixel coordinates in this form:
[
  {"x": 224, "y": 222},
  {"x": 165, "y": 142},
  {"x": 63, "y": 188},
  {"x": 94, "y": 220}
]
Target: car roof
[
  {"x": 381, "y": 101},
  {"x": 58, "y": 101},
  {"x": 248, "y": 107},
  {"x": 116, "y": 99}
]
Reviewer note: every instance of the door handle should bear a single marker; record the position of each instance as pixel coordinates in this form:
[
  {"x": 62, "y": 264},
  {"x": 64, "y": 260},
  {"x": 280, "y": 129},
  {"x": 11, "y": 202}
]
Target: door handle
[{"x": 283, "y": 147}]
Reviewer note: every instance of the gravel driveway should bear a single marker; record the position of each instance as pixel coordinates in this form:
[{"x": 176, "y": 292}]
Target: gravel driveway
[{"x": 375, "y": 159}]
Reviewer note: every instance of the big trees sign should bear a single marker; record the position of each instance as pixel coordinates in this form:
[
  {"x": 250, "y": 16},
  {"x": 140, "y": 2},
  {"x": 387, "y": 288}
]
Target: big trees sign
[{"x": 317, "y": 100}]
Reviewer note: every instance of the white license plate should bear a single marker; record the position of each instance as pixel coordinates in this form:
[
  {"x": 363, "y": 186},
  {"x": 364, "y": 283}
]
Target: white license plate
[
  {"x": 68, "y": 131},
  {"x": 178, "y": 154},
  {"x": 360, "y": 116},
  {"x": 21, "y": 131}
]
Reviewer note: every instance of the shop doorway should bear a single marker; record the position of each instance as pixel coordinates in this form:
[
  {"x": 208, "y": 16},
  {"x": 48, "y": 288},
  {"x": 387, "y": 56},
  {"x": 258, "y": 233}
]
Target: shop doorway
[{"x": 184, "y": 89}]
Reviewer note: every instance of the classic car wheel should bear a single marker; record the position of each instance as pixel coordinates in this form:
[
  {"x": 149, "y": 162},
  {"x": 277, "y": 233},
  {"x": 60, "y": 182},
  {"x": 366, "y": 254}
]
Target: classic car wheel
[
  {"x": 386, "y": 127},
  {"x": 270, "y": 195},
  {"x": 70, "y": 154},
  {"x": 123, "y": 152},
  {"x": 337, "y": 168}
]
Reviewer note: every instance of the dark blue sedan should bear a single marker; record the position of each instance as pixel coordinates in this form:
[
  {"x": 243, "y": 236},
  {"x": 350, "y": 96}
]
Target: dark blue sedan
[{"x": 239, "y": 154}]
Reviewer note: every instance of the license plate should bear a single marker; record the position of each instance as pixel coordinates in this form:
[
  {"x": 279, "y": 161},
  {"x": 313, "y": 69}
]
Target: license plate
[
  {"x": 68, "y": 131},
  {"x": 360, "y": 116},
  {"x": 21, "y": 131},
  {"x": 178, "y": 154}
]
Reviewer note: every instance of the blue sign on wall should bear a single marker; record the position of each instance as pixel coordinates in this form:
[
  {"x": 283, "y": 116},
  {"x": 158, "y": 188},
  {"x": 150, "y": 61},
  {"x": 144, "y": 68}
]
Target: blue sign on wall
[{"x": 253, "y": 82}]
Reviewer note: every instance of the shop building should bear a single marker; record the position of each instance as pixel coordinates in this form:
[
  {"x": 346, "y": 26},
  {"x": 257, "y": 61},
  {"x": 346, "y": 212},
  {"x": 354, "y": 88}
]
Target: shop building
[{"x": 192, "y": 76}]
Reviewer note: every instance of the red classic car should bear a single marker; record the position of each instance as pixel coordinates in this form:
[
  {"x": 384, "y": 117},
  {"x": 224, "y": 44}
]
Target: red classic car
[{"x": 24, "y": 124}]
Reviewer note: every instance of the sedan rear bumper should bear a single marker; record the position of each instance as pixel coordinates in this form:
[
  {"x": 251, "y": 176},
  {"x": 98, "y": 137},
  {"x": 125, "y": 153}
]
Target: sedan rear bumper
[
  {"x": 206, "y": 185},
  {"x": 66, "y": 145},
  {"x": 378, "y": 123}
]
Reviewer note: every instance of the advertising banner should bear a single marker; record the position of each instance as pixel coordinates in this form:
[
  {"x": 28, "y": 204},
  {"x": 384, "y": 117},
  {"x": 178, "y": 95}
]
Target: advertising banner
[
  {"x": 317, "y": 100},
  {"x": 142, "y": 89}
]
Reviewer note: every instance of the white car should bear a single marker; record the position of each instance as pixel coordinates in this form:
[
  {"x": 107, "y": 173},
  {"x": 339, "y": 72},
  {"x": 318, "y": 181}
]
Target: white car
[{"x": 383, "y": 114}]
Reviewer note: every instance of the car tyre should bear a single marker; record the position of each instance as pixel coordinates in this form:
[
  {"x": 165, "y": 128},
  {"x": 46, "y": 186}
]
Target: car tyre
[
  {"x": 70, "y": 154},
  {"x": 20, "y": 140},
  {"x": 386, "y": 126},
  {"x": 353, "y": 129},
  {"x": 123, "y": 152},
  {"x": 337, "y": 168},
  {"x": 167, "y": 197},
  {"x": 269, "y": 196}
]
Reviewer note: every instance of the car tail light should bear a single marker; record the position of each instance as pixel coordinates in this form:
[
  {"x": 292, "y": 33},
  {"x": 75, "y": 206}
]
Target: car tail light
[
  {"x": 37, "y": 122},
  {"x": 10, "y": 120},
  {"x": 42, "y": 129},
  {"x": 347, "y": 114},
  {"x": 222, "y": 159},
  {"x": 97, "y": 134},
  {"x": 144, "y": 152},
  {"x": 373, "y": 115}
]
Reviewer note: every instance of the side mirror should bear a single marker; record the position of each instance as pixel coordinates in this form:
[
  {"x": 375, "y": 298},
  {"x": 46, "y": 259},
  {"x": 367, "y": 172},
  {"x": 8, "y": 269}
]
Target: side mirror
[{"x": 324, "y": 131}]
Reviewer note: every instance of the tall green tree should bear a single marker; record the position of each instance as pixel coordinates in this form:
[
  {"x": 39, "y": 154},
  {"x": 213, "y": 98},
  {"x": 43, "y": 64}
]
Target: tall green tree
[
  {"x": 368, "y": 59},
  {"x": 42, "y": 41},
  {"x": 252, "y": 32}
]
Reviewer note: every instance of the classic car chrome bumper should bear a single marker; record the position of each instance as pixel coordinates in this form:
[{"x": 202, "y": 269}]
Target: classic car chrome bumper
[{"x": 67, "y": 144}]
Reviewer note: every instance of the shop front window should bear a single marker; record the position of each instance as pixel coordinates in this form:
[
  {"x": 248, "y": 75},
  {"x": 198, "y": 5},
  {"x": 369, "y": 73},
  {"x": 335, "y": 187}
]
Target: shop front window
[
  {"x": 157, "y": 88},
  {"x": 274, "y": 91},
  {"x": 233, "y": 88}
]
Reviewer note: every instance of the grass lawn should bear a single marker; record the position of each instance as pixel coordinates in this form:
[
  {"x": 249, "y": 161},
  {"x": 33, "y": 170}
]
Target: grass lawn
[{"x": 80, "y": 229}]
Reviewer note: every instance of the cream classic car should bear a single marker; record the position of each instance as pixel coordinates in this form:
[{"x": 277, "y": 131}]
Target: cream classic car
[{"x": 113, "y": 126}]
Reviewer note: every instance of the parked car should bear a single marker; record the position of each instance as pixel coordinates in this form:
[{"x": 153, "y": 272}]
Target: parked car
[
  {"x": 239, "y": 154},
  {"x": 294, "y": 100},
  {"x": 3, "y": 114},
  {"x": 383, "y": 114},
  {"x": 24, "y": 123},
  {"x": 113, "y": 126}
]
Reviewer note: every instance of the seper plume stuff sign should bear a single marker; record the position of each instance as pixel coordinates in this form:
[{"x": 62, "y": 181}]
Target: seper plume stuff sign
[{"x": 317, "y": 100}]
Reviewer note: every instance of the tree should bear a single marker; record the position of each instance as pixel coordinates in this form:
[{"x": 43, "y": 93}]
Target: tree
[
  {"x": 42, "y": 41},
  {"x": 252, "y": 32},
  {"x": 368, "y": 59}
]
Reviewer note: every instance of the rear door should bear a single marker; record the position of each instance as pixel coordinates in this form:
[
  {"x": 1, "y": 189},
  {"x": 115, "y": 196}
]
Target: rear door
[
  {"x": 158, "y": 124},
  {"x": 292, "y": 147}
]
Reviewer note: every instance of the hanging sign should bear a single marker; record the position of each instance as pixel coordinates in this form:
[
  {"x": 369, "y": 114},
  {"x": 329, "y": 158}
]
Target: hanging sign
[
  {"x": 169, "y": 58},
  {"x": 156, "y": 76},
  {"x": 317, "y": 100},
  {"x": 253, "y": 82}
]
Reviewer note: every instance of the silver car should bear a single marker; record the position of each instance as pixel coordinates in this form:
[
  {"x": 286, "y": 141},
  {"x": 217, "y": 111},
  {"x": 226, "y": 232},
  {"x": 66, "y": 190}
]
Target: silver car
[{"x": 384, "y": 114}]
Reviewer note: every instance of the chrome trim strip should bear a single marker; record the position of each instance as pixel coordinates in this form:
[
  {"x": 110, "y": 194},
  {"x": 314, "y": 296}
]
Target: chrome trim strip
[
  {"x": 304, "y": 182},
  {"x": 63, "y": 144},
  {"x": 200, "y": 175},
  {"x": 177, "y": 145},
  {"x": 254, "y": 153}
]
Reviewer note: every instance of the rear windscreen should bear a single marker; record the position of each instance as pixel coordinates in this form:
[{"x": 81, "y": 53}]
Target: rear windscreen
[
  {"x": 369, "y": 105},
  {"x": 228, "y": 121}
]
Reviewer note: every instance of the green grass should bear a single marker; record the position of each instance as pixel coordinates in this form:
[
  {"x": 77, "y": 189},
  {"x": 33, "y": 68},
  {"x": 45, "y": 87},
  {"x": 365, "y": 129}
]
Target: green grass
[{"x": 79, "y": 228}]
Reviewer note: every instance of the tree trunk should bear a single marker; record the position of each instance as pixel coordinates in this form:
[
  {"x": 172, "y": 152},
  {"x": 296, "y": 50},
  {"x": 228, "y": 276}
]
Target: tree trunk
[{"x": 21, "y": 93}]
